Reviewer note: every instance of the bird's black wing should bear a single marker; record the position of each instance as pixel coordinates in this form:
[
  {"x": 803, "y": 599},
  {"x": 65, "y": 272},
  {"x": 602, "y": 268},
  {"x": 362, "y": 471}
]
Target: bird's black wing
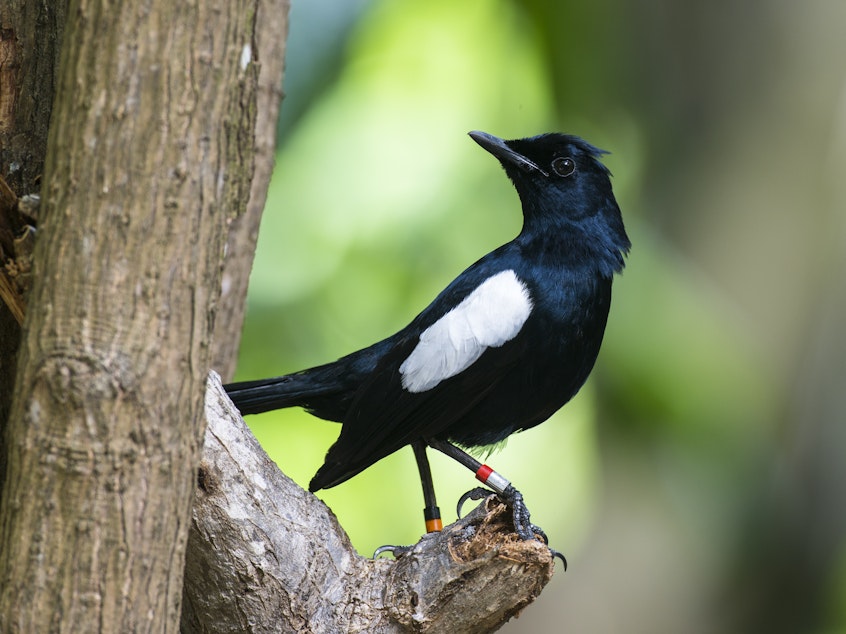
[
  {"x": 385, "y": 417},
  {"x": 385, "y": 414}
]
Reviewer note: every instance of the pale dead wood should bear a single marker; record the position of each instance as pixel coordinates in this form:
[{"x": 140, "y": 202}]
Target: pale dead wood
[{"x": 266, "y": 556}]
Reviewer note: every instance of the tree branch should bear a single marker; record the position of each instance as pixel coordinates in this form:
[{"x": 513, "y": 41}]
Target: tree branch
[{"x": 266, "y": 556}]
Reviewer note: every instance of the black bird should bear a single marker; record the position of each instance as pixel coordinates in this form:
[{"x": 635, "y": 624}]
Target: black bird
[{"x": 504, "y": 346}]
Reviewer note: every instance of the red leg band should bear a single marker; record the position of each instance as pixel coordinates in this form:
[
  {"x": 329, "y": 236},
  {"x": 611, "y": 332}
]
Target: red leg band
[{"x": 483, "y": 473}]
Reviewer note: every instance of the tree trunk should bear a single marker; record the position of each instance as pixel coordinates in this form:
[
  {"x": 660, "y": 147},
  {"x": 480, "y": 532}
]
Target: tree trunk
[
  {"x": 149, "y": 157},
  {"x": 271, "y": 33},
  {"x": 30, "y": 36}
]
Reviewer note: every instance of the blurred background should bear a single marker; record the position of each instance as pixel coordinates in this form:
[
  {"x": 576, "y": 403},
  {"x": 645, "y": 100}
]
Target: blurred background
[{"x": 698, "y": 482}]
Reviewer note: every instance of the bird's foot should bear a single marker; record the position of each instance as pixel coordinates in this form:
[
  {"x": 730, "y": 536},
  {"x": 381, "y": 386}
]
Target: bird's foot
[
  {"x": 522, "y": 525},
  {"x": 514, "y": 500},
  {"x": 396, "y": 551},
  {"x": 479, "y": 493}
]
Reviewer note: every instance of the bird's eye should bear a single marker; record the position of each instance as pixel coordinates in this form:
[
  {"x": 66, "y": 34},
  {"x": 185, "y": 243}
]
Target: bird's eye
[{"x": 564, "y": 166}]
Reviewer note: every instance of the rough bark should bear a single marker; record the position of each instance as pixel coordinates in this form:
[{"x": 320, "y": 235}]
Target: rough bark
[
  {"x": 266, "y": 556},
  {"x": 30, "y": 36},
  {"x": 149, "y": 154},
  {"x": 270, "y": 38}
]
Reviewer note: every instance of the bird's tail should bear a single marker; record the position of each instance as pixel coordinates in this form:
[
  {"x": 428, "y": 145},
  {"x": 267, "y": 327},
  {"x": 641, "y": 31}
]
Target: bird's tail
[
  {"x": 255, "y": 397},
  {"x": 324, "y": 391}
]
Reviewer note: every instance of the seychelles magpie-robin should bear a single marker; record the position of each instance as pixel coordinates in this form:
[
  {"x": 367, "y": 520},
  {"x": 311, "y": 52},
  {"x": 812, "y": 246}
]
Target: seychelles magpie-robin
[{"x": 503, "y": 347}]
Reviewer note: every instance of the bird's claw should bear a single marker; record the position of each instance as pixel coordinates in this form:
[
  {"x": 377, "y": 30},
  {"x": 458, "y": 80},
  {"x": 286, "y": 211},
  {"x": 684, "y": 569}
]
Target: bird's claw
[
  {"x": 560, "y": 555},
  {"x": 479, "y": 493},
  {"x": 539, "y": 533},
  {"x": 396, "y": 551},
  {"x": 522, "y": 524}
]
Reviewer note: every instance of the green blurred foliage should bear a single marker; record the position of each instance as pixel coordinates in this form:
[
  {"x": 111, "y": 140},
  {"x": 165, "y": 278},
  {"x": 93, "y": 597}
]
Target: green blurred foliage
[{"x": 674, "y": 464}]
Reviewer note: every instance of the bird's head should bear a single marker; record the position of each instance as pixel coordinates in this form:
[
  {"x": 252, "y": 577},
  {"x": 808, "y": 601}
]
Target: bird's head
[{"x": 562, "y": 183}]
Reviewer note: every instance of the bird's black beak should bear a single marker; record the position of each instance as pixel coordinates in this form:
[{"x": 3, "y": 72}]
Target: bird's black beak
[{"x": 499, "y": 148}]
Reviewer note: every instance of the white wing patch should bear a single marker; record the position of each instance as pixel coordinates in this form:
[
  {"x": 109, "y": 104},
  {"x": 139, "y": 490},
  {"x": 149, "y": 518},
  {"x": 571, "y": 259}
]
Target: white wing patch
[{"x": 487, "y": 318}]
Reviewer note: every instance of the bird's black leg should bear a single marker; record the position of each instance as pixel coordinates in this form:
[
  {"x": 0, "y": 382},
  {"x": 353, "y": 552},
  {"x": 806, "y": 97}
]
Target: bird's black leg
[
  {"x": 431, "y": 512},
  {"x": 501, "y": 486},
  {"x": 495, "y": 481}
]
